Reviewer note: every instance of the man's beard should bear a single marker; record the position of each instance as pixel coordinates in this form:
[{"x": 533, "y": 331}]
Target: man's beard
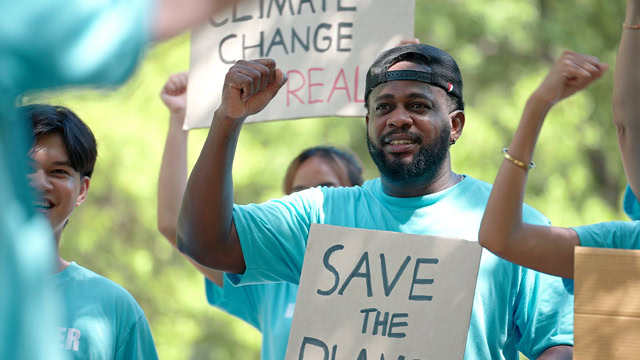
[{"x": 424, "y": 165}]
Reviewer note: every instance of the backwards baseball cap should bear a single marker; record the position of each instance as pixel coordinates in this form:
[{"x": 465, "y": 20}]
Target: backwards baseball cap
[{"x": 440, "y": 69}]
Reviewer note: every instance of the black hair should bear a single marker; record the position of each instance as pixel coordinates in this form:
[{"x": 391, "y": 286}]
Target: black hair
[
  {"x": 78, "y": 139},
  {"x": 348, "y": 161}
]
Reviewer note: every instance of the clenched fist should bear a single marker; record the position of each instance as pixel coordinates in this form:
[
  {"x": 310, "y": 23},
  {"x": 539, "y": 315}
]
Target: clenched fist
[
  {"x": 249, "y": 86},
  {"x": 571, "y": 73}
]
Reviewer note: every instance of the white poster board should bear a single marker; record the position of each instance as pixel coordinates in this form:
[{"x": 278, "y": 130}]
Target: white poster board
[
  {"x": 374, "y": 294},
  {"x": 324, "y": 46}
]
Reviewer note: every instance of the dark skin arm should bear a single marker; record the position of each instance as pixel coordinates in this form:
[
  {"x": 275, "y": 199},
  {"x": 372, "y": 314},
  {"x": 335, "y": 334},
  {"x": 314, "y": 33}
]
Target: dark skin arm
[
  {"x": 560, "y": 352},
  {"x": 206, "y": 232}
]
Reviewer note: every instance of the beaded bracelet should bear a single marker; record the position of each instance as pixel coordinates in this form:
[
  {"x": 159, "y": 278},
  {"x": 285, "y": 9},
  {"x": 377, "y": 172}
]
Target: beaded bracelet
[{"x": 629, "y": 26}]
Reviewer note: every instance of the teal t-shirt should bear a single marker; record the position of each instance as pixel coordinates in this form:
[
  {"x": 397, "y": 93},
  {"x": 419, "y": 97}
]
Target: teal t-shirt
[
  {"x": 611, "y": 234},
  {"x": 268, "y": 307},
  {"x": 44, "y": 44},
  {"x": 514, "y": 308},
  {"x": 614, "y": 234},
  {"x": 102, "y": 321},
  {"x": 630, "y": 204}
]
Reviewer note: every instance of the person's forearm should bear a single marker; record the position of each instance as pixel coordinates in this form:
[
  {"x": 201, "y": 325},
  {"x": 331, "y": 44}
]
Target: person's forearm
[
  {"x": 626, "y": 107},
  {"x": 172, "y": 17},
  {"x": 173, "y": 179},
  {"x": 205, "y": 221},
  {"x": 503, "y": 216}
]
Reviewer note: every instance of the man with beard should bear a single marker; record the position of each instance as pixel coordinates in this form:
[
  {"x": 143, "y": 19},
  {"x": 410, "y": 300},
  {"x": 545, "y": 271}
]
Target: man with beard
[{"x": 414, "y": 103}]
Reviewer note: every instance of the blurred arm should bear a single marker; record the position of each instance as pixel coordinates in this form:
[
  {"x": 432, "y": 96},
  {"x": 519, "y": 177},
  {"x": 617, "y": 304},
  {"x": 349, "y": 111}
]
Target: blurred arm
[
  {"x": 626, "y": 90},
  {"x": 172, "y": 17}
]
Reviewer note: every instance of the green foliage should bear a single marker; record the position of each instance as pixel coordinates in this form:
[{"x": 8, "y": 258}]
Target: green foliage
[{"x": 504, "y": 48}]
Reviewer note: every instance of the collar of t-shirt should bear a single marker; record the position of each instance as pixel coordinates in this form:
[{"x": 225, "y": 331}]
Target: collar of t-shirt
[{"x": 453, "y": 192}]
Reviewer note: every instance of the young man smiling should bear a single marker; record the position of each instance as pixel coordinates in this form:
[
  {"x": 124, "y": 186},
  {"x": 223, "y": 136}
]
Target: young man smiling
[
  {"x": 415, "y": 113},
  {"x": 101, "y": 319}
]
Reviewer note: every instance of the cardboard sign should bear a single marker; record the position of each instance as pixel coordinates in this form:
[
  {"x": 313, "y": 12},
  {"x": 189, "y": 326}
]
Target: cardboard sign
[
  {"x": 607, "y": 304},
  {"x": 383, "y": 295},
  {"x": 324, "y": 46}
]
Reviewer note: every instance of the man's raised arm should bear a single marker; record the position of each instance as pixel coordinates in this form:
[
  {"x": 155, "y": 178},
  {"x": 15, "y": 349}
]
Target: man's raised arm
[
  {"x": 206, "y": 232},
  {"x": 626, "y": 89}
]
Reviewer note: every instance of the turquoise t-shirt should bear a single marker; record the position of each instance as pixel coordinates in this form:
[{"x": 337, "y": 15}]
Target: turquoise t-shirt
[
  {"x": 614, "y": 234},
  {"x": 102, "y": 320},
  {"x": 630, "y": 204},
  {"x": 268, "y": 307},
  {"x": 44, "y": 44},
  {"x": 611, "y": 234},
  {"x": 514, "y": 308}
]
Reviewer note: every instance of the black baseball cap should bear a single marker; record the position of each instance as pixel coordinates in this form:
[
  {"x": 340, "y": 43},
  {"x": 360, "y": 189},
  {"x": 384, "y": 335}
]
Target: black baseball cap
[{"x": 441, "y": 69}]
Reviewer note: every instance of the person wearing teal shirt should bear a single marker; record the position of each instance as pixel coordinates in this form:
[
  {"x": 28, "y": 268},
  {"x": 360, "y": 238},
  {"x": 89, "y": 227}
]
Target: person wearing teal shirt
[
  {"x": 100, "y": 319},
  {"x": 551, "y": 249},
  {"x": 46, "y": 44},
  {"x": 415, "y": 112},
  {"x": 268, "y": 307}
]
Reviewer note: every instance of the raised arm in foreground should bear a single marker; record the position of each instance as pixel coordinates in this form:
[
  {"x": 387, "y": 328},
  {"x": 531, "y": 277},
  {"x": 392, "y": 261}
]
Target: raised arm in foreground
[
  {"x": 172, "y": 17},
  {"x": 543, "y": 248},
  {"x": 626, "y": 90},
  {"x": 206, "y": 232}
]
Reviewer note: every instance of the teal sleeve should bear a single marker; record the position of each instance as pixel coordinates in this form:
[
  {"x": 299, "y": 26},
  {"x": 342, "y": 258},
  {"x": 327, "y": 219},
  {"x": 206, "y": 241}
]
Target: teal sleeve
[
  {"x": 55, "y": 43},
  {"x": 612, "y": 234},
  {"x": 274, "y": 235},
  {"x": 630, "y": 204},
  {"x": 239, "y": 301},
  {"x": 544, "y": 313},
  {"x": 568, "y": 285},
  {"x": 138, "y": 344}
]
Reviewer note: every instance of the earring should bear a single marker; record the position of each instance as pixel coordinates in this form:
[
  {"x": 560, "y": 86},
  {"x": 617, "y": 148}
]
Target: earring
[{"x": 452, "y": 141}]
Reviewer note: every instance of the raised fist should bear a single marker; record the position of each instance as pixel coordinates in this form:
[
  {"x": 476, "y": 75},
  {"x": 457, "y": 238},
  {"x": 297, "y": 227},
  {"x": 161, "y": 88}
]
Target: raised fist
[
  {"x": 174, "y": 93},
  {"x": 571, "y": 73},
  {"x": 249, "y": 86}
]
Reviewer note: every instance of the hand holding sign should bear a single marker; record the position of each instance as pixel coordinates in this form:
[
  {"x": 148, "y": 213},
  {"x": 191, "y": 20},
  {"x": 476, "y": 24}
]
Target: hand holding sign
[
  {"x": 249, "y": 87},
  {"x": 571, "y": 73}
]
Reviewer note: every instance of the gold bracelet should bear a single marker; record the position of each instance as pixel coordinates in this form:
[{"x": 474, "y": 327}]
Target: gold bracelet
[
  {"x": 629, "y": 26},
  {"x": 516, "y": 161}
]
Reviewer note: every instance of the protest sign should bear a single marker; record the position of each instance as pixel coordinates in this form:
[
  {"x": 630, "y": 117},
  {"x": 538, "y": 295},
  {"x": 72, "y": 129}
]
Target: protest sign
[
  {"x": 324, "y": 46},
  {"x": 368, "y": 294},
  {"x": 607, "y": 304}
]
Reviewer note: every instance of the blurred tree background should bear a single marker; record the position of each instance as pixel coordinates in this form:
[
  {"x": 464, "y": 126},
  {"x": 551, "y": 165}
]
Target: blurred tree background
[{"x": 503, "y": 47}]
